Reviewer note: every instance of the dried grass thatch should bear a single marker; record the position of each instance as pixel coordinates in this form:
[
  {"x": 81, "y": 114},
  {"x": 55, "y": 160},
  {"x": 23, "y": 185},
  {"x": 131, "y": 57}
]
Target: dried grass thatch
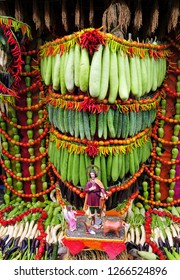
[
  {"x": 64, "y": 16},
  {"x": 124, "y": 15},
  {"x": 47, "y": 17},
  {"x": 36, "y": 14},
  {"x": 116, "y": 15},
  {"x": 137, "y": 23},
  {"x": 112, "y": 16},
  {"x": 174, "y": 15},
  {"x": 77, "y": 14},
  {"x": 19, "y": 14},
  {"x": 104, "y": 20},
  {"x": 154, "y": 18},
  {"x": 91, "y": 13}
]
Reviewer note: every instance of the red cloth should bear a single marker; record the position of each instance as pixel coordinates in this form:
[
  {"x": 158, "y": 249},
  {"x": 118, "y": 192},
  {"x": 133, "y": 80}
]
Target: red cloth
[
  {"x": 74, "y": 246},
  {"x": 113, "y": 249}
]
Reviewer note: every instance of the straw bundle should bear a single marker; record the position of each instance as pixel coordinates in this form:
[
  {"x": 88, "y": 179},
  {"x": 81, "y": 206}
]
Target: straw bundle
[
  {"x": 154, "y": 17},
  {"x": 174, "y": 15},
  {"x": 124, "y": 15},
  {"x": 116, "y": 15},
  {"x": 36, "y": 14},
  {"x": 77, "y": 15},
  {"x": 47, "y": 17},
  {"x": 104, "y": 20},
  {"x": 91, "y": 13},
  {"x": 138, "y": 16},
  {"x": 64, "y": 16},
  {"x": 19, "y": 15}
]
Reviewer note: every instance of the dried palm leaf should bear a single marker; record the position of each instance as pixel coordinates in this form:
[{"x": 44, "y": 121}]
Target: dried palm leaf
[
  {"x": 77, "y": 15},
  {"x": 19, "y": 10},
  {"x": 124, "y": 15},
  {"x": 154, "y": 18},
  {"x": 91, "y": 13},
  {"x": 64, "y": 16},
  {"x": 47, "y": 17},
  {"x": 138, "y": 16},
  {"x": 36, "y": 14},
  {"x": 174, "y": 15}
]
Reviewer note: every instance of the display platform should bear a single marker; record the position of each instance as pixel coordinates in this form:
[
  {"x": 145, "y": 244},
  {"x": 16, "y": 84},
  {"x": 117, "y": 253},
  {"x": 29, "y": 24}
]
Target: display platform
[{"x": 87, "y": 236}]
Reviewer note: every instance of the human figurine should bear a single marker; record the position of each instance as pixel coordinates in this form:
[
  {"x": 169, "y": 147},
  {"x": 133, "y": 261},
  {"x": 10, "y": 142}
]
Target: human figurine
[
  {"x": 95, "y": 197},
  {"x": 71, "y": 218}
]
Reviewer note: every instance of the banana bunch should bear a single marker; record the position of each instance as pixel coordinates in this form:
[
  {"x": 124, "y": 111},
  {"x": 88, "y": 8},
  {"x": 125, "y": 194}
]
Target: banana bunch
[
  {"x": 107, "y": 74},
  {"x": 111, "y": 124},
  {"x": 72, "y": 166}
]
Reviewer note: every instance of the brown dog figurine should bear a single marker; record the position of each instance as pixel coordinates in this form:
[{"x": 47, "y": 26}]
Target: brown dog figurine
[{"x": 113, "y": 226}]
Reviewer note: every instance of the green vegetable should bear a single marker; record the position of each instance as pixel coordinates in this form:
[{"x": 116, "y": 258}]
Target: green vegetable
[
  {"x": 69, "y": 71},
  {"x": 95, "y": 73},
  {"x": 123, "y": 84},
  {"x": 113, "y": 75},
  {"x": 56, "y": 76},
  {"x": 31, "y": 170},
  {"x": 168, "y": 254},
  {"x": 84, "y": 70},
  {"x": 105, "y": 73},
  {"x": 157, "y": 196}
]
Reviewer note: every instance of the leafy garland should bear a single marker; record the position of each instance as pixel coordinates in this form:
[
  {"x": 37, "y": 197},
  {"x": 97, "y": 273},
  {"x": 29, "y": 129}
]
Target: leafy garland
[
  {"x": 15, "y": 49},
  {"x": 93, "y": 148},
  {"x": 88, "y": 104},
  {"x": 16, "y": 25},
  {"x": 90, "y": 39}
]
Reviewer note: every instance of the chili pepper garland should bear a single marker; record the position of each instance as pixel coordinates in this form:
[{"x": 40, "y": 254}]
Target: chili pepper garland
[
  {"x": 16, "y": 54},
  {"x": 88, "y": 104},
  {"x": 16, "y": 25},
  {"x": 92, "y": 148}
]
